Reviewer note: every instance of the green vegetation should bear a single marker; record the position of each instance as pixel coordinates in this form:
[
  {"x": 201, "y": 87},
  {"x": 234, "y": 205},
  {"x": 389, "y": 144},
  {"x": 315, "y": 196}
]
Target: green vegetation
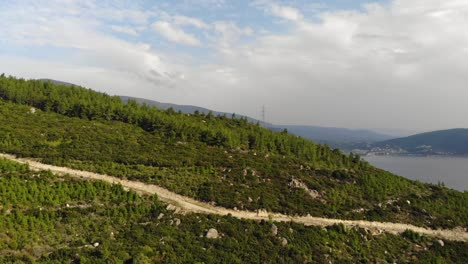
[
  {"x": 226, "y": 161},
  {"x": 49, "y": 219}
]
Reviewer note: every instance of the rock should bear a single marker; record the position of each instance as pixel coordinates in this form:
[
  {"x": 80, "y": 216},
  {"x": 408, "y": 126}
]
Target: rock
[
  {"x": 96, "y": 244},
  {"x": 440, "y": 242},
  {"x": 298, "y": 184},
  {"x": 250, "y": 200},
  {"x": 244, "y": 172},
  {"x": 160, "y": 216},
  {"x": 212, "y": 234},
  {"x": 284, "y": 242},
  {"x": 274, "y": 230},
  {"x": 171, "y": 207},
  {"x": 408, "y": 202},
  {"x": 177, "y": 221}
]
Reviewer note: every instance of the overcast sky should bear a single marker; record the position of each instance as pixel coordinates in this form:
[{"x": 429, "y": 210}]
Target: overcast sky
[{"x": 400, "y": 64}]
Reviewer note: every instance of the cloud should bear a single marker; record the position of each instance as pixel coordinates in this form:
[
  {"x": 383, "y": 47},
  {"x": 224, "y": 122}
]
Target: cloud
[
  {"x": 401, "y": 65},
  {"x": 183, "y": 20},
  {"x": 228, "y": 35},
  {"x": 175, "y": 34},
  {"x": 83, "y": 42},
  {"x": 124, "y": 29},
  {"x": 286, "y": 12}
]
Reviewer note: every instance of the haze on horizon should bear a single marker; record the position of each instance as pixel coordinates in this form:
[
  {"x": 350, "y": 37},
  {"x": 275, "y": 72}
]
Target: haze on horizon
[{"x": 398, "y": 65}]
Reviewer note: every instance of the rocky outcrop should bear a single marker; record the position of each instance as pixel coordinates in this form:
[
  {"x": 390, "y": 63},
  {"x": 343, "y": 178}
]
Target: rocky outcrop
[{"x": 295, "y": 183}]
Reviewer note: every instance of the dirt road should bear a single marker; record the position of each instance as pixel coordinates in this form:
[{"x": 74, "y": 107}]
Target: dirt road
[{"x": 189, "y": 205}]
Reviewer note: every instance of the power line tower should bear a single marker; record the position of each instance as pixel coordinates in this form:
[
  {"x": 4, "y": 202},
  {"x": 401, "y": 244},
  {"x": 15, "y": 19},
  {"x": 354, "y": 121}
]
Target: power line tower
[{"x": 264, "y": 115}]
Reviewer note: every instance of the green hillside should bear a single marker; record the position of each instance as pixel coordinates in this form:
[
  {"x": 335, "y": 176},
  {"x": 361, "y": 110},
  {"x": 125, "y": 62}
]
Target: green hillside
[
  {"x": 452, "y": 141},
  {"x": 49, "y": 219},
  {"x": 229, "y": 162}
]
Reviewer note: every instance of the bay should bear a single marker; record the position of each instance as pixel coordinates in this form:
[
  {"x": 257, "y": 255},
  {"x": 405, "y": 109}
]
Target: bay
[{"x": 452, "y": 171}]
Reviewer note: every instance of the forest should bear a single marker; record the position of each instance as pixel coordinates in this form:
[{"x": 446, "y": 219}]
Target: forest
[
  {"x": 226, "y": 161},
  {"x": 45, "y": 218}
]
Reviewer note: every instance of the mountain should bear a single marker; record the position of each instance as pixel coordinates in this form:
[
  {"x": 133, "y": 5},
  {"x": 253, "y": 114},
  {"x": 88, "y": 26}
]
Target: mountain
[
  {"x": 342, "y": 138},
  {"x": 442, "y": 142},
  {"x": 187, "y": 109},
  {"x": 336, "y": 137},
  {"x": 57, "y": 82},
  {"x": 211, "y": 160}
]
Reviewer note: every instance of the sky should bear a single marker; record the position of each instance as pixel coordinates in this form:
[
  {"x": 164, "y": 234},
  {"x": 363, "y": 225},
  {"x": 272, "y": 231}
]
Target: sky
[{"x": 394, "y": 65}]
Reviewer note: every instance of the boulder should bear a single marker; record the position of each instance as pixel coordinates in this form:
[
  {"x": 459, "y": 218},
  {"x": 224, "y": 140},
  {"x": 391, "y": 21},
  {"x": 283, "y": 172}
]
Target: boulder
[
  {"x": 212, "y": 234},
  {"x": 284, "y": 242},
  {"x": 274, "y": 230}
]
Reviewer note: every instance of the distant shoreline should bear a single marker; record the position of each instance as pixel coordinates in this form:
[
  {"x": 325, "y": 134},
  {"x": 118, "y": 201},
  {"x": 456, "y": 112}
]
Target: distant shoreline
[{"x": 417, "y": 155}]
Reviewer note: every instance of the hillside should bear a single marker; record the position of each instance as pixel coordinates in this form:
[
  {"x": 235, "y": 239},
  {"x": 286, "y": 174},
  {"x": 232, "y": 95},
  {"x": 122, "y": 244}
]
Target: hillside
[
  {"x": 48, "y": 218},
  {"x": 225, "y": 162},
  {"x": 443, "y": 142}
]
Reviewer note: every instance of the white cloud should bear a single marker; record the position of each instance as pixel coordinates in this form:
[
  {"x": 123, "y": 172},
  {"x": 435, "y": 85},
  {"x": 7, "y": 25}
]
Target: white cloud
[
  {"x": 228, "y": 35},
  {"x": 286, "y": 12},
  {"x": 401, "y": 65},
  {"x": 183, "y": 20},
  {"x": 124, "y": 29},
  {"x": 175, "y": 34},
  {"x": 38, "y": 27}
]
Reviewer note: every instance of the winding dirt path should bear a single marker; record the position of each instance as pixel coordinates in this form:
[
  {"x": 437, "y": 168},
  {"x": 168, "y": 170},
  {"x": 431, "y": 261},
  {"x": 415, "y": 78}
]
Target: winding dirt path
[{"x": 189, "y": 205}]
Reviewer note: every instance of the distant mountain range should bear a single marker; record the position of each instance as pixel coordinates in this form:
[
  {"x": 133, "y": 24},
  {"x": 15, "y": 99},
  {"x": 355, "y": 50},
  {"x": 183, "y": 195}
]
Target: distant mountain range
[
  {"x": 335, "y": 137},
  {"x": 58, "y": 82},
  {"x": 442, "y": 142}
]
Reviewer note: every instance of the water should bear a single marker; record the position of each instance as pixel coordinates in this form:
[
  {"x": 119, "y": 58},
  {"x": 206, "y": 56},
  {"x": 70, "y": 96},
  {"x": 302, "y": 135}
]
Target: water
[{"x": 452, "y": 171}]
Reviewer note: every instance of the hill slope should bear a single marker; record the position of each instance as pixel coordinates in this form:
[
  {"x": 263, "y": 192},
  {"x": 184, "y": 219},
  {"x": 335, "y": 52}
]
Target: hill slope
[
  {"x": 447, "y": 142},
  {"x": 229, "y": 162},
  {"x": 51, "y": 219},
  {"x": 219, "y": 161}
]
